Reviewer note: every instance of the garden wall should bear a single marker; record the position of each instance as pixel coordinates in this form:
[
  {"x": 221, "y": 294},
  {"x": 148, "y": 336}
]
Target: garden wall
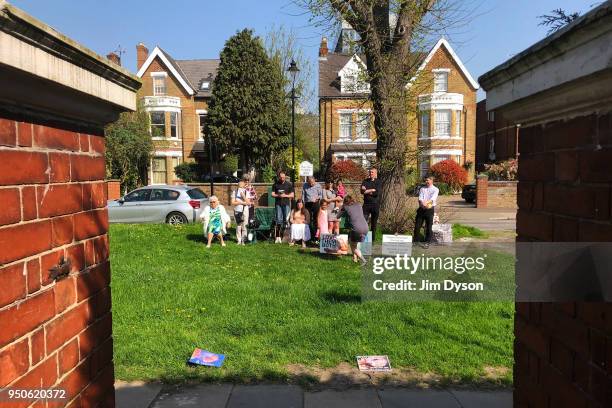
[
  {"x": 495, "y": 194},
  {"x": 224, "y": 191}
]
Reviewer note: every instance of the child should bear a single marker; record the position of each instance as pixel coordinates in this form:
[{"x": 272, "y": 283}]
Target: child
[
  {"x": 340, "y": 189},
  {"x": 322, "y": 223}
]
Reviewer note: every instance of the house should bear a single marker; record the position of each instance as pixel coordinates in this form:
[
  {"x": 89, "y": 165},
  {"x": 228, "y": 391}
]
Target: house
[
  {"x": 442, "y": 125},
  {"x": 496, "y": 137},
  {"x": 176, "y": 94}
]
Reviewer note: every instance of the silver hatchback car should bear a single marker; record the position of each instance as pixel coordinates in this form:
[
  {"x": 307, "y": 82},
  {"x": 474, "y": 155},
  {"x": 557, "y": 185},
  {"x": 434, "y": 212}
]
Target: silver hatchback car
[{"x": 158, "y": 204}]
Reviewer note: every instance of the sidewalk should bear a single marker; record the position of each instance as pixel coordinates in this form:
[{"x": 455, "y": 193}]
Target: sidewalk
[{"x": 140, "y": 395}]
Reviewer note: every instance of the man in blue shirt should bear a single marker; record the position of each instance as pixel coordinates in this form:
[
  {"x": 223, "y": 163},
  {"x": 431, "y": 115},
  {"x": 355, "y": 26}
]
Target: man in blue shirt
[{"x": 428, "y": 198}]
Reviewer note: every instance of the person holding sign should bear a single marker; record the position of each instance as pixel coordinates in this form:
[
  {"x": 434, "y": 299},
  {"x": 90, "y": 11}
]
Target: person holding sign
[
  {"x": 371, "y": 188},
  {"x": 359, "y": 226},
  {"x": 282, "y": 191},
  {"x": 428, "y": 198}
]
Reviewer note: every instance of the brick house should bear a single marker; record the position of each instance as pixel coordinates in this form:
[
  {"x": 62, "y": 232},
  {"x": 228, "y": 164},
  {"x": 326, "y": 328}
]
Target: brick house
[
  {"x": 559, "y": 90},
  {"x": 176, "y": 95},
  {"x": 496, "y": 137},
  {"x": 443, "y": 126}
]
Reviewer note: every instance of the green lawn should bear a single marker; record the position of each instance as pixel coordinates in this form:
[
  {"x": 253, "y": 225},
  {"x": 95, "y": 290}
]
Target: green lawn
[{"x": 267, "y": 306}]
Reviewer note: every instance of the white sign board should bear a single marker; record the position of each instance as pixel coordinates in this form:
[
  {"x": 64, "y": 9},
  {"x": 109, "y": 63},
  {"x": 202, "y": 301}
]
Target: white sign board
[
  {"x": 330, "y": 243},
  {"x": 306, "y": 169},
  {"x": 397, "y": 245}
]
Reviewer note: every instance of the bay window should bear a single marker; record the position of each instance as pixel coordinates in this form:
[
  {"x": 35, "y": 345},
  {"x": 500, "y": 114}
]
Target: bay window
[
  {"x": 363, "y": 126},
  {"x": 458, "y": 123},
  {"x": 424, "y": 124},
  {"x": 443, "y": 123},
  {"x": 158, "y": 124}
]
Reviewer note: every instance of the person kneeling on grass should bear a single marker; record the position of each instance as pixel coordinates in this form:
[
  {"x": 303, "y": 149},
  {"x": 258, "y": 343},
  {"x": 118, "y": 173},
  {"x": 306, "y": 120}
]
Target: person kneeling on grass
[
  {"x": 359, "y": 226},
  {"x": 300, "y": 218},
  {"x": 215, "y": 220}
]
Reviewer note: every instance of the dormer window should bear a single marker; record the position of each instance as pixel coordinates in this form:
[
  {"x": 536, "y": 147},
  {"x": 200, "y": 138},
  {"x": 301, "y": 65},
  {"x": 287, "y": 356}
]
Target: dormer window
[
  {"x": 440, "y": 80},
  {"x": 205, "y": 86},
  {"x": 353, "y": 77}
]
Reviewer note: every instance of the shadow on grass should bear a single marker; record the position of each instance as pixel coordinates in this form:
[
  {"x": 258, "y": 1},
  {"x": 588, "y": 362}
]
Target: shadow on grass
[{"x": 341, "y": 296}]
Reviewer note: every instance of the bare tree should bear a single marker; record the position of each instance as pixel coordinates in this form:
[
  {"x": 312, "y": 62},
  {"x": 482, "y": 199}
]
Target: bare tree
[
  {"x": 392, "y": 36},
  {"x": 558, "y": 18}
]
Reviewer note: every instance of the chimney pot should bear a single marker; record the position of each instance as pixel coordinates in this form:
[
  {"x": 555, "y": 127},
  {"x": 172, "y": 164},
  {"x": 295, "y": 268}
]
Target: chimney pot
[
  {"x": 114, "y": 58},
  {"x": 323, "y": 50}
]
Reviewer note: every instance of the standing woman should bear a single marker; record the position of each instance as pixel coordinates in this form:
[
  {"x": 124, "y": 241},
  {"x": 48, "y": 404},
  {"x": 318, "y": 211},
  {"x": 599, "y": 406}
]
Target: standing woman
[
  {"x": 331, "y": 198},
  {"x": 241, "y": 202},
  {"x": 252, "y": 195},
  {"x": 359, "y": 226},
  {"x": 215, "y": 220}
]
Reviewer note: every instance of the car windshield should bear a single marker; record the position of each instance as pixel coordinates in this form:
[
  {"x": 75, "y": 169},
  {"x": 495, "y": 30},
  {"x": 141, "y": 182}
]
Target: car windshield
[{"x": 196, "y": 194}]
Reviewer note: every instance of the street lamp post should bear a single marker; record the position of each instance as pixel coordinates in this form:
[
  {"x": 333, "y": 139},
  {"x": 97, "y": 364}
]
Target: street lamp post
[
  {"x": 210, "y": 166},
  {"x": 293, "y": 70}
]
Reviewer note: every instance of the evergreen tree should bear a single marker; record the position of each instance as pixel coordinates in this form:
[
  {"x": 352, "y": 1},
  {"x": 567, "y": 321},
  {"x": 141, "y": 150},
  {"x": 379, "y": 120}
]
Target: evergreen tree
[{"x": 248, "y": 113}]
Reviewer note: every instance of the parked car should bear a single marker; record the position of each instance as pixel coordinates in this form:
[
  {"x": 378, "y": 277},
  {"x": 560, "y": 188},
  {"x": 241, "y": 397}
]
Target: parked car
[
  {"x": 157, "y": 204},
  {"x": 468, "y": 193},
  {"x": 221, "y": 178}
]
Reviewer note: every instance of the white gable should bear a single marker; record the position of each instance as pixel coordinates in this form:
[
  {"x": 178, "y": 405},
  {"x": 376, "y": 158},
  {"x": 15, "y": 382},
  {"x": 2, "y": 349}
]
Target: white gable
[
  {"x": 352, "y": 76},
  {"x": 441, "y": 42},
  {"x": 157, "y": 52}
]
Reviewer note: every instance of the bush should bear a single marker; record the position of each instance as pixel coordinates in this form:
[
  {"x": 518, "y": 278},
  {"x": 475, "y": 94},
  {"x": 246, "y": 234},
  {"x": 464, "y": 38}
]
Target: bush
[
  {"x": 230, "y": 164},
  {"x": 449, "y": 172},
  {"x": 267, "y": 174},
  {"x": 506, "y": 170},
  {"x": 445, "y": 189},
  {"x": 187, "y": 172},
  {"x": 346, "y": 170}
]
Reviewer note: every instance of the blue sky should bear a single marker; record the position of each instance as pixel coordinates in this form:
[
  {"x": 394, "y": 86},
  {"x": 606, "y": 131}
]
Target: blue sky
[{"x": 198, "y": 28}]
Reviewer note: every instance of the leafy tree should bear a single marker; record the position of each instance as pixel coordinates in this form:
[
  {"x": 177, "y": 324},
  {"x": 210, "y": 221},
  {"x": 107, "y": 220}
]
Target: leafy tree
[
  {"x": 248, "y": 112},
  {"x": 129, "y": 149},
  {"x": 392, "y": 35},
  {"x": 558, "y": 18}
]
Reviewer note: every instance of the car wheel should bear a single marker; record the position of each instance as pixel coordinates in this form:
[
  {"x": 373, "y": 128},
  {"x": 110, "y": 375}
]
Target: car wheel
[{"x": 176, "y": 218}]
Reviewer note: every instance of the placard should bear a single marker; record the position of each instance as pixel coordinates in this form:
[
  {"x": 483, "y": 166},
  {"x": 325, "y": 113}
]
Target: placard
[
  {"x": 373, "y": 363},
  {"x": 366, "y": 246},
  {"x": 333, "y": 244},
  {"x": 306, "y": 169},
  {"x": 397, "y": 244}
]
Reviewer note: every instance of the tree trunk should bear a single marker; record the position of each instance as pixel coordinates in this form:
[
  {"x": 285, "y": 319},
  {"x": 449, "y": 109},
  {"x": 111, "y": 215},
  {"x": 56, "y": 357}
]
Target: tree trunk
[{"x": 391, "y": 124}]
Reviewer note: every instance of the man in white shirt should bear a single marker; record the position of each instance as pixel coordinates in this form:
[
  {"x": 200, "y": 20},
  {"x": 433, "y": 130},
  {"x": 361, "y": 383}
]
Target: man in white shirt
[{"x": 428, "y": 198}]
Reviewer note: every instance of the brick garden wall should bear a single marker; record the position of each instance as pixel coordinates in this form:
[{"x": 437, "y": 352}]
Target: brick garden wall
[
  {"x": 563, "y": 351},
  {"x": 54, "y": 333}
]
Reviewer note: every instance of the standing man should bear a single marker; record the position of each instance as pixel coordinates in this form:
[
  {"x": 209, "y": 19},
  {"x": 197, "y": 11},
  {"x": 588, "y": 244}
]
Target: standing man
[
  {"x": 428, "y": 198},
  {"x": 371, "y": 189},
  {"x": 282, "y": 191},
  {"x": 312, "y": 193}
]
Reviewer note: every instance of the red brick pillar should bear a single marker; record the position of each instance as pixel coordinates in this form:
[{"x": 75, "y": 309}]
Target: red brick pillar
[
  {"x": 482, "y": 190},
  {"x": 113, "y": 189},
  {"x": 55, "y": 301}
]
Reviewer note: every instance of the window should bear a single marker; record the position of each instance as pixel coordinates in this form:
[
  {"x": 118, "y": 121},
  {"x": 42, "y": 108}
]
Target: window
[
  {"x": 424, "y": 124},
  {"x": 363, "y": 126},
  {"x": 196, "y": 194},
  {"x": 158, "y": 166},
  {"x": 443, "y": 123},
  {"x": 202, "y": 122},
  {"x": 458, "y": 123},
  {"x": 174, "y": 119},
  {"x": 439, "y": 157},
  {"x": 158, "y": 124},
  {"x": 138, "y": 195},
  {"x": 175, "y": 162},
  {"x": 491, "y": 116},
  {"x": 205, "y": 86},
  {"x": 159, "y": 85},
  {"x": 440, "y": 81},
  {"x": 346, "y": 126},
  {"x": 161, "y": 194}
]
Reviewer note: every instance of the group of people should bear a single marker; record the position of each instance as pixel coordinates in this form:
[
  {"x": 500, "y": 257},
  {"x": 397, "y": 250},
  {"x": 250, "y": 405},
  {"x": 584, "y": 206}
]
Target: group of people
[{"x": 316, "y": 213}]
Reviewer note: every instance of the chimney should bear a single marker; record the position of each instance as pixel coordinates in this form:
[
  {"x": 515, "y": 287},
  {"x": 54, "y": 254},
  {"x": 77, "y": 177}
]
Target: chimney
[
  {"x": 142, "y": 53},
  {"x": 323, "y": 50},
  {"x": 114, "y": 58}
]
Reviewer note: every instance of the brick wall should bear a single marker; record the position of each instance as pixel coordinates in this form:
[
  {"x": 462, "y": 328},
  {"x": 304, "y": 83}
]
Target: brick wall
[
  {"x": 54, "y": 333},
  {"x": 563, "y": 351},
  {"x": 482, "y": 191},
  {"x": 495, "y": 194},
  {"x": 113, "y": 189}
]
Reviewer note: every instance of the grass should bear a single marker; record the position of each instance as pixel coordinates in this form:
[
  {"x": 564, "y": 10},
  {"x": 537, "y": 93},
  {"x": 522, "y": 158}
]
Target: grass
[
  {"x": 267, "y": 306},
  {"x": 467, "y": 231}
]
